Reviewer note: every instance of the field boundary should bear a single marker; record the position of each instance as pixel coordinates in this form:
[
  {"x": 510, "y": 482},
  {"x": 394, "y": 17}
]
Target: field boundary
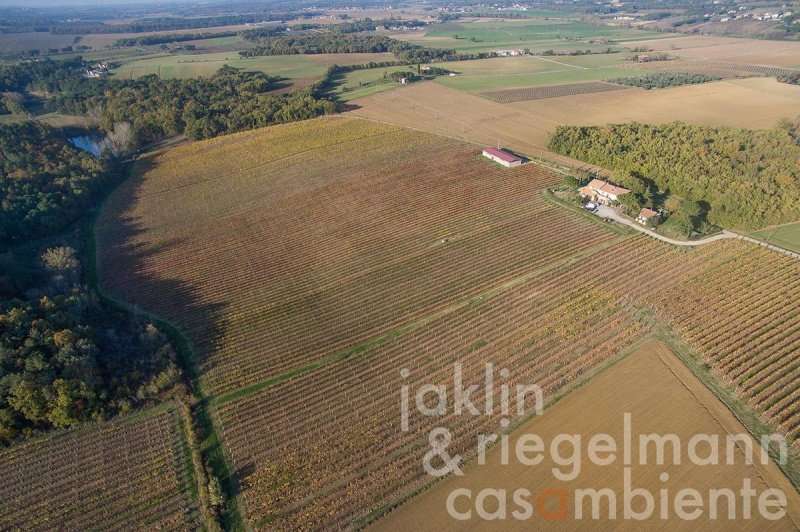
[
  {"x": 746, "y": 415},
  {"x": 579, "y": 383},
  {"x": 210, "y": 446},
  {"x": 366, "y": 347}
]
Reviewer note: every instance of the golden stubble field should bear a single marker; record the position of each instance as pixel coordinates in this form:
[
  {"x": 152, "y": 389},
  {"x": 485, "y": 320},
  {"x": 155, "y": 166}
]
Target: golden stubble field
[
  {"x": 728, "y": 49},
  {"x": 526, "y": 126},
  {"x": 662, "y": 396}
]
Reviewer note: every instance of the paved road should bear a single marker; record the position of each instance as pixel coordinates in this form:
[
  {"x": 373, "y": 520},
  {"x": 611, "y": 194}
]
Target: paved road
[{"x": 608, "y": 212}]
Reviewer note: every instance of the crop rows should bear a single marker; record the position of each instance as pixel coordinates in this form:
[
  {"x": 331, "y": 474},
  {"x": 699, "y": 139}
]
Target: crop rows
[
  {"x": 322, "y": 258},
  {"x": 744, "y": 319},
  {"x": 124, "y": 474},
  {"x": 716, "y": 68},
  {"x": 323, "y": 449},
  {"x": 549, "y": 91}
]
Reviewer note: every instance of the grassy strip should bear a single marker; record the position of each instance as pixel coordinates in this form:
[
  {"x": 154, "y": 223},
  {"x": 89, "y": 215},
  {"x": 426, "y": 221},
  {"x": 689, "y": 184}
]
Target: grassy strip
[
  {"x": 377, "y": 513},
  {"x": 746, "y": 415},
  {"x": 210, "y": 446},
  {"x": 396, "y": 333}
]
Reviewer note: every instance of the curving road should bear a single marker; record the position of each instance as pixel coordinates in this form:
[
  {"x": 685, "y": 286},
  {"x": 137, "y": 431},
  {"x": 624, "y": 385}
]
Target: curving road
[{"x": 607, "y": 212}]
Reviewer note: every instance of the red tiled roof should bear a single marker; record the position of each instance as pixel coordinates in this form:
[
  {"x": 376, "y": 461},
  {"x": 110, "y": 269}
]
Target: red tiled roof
[
  {"x": 502, "y": 155},
  {"x": 608, "y": 188},
  {"x": 647, "y": 213}
]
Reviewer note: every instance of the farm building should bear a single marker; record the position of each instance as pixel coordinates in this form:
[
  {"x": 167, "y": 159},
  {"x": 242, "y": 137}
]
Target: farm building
[
  {"x": 602, "y": 191},
  {"x": 647, "y": 216},
  {"x": 502, "y": 157}
]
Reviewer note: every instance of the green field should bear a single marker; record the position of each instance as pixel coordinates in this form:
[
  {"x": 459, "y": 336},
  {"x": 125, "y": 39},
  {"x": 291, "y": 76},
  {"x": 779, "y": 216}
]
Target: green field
[
  {"x": 785, "y": 236},
  {"x": 496, "y": 73},
  {"x": 360, "y": 83},
  {"x": 183, "y": 66},
  {"x": 482, "y": 36}
]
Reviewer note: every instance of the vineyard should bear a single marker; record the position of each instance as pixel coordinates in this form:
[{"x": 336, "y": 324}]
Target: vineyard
[
  {"x": 306, "y": 280},
  {"x": 716, "y": 68},
  {"x": 749, "y": 336},
  {"x": 131, "y": 473},
  {"x": 325, "y": 252},
  {"x": 549, "y": 91}
]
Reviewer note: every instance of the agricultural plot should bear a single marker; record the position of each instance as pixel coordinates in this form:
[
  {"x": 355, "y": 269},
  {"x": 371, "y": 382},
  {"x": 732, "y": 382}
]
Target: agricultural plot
[
  {"x": 181, "y": 66},
  {"x": 526, "y": 125},
  {"x": 132, "y": 473},
  {"x": 785, "y": 236},
  {"x": 540, "y": 35},
  {"x": 550, "y": 91},
  {"x": 651, "y": 376},
  {"x": 450, "y": 225},
  {"x": 742, "y": 319},
  {"x": 729, "y": 50},
  {"x": 335, "y": 449},
  {"x": 715, "y": 68},
  {"x": 305, "y": 281}
]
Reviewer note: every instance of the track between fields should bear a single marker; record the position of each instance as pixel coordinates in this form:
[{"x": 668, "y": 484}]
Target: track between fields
[{"x": 608, "y": 212}]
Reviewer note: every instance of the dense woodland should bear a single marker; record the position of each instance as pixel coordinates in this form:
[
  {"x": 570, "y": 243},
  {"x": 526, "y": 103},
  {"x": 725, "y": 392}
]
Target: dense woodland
[
  {"x": 64, "y": 357},
  {"x": 662, "y": 80},
  {"x": 330, "y": 43},
  {"x": 157, "y": 108},
  {"x": 730, "y": 177},
  {"x": 44, "y": 182}
]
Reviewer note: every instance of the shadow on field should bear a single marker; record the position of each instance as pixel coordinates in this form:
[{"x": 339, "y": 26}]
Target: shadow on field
[{"x": 133, "y": 269}]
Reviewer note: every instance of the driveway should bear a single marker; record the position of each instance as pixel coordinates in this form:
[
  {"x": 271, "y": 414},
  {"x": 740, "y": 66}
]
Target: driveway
[{"x": 607, "y": 212}]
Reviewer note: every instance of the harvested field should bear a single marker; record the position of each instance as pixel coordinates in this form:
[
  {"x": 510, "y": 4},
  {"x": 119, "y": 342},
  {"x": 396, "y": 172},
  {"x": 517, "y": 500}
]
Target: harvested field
[
  {"x": 662, "y": 396},
  {"x": 728, "y": 49},
  {"x": 127, "y": 474},
  {"x": 550, "y": 91},
  {"x": 526, "y": 125}
]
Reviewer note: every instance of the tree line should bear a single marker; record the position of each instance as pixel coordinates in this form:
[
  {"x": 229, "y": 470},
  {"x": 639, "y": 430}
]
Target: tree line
[
  {"x": 330, "y": 43},
  {"x": 725, "y": 176},
  {"x": 64, "y": 357},
  {"x": 662, "y": 80},
  {"x": 147, "y": 40},
  {"x": 156, "y": 108}
]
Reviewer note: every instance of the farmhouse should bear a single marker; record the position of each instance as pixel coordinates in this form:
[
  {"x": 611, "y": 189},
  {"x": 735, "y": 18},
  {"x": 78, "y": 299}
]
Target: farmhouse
[
  {"x": 502, "y": 157},
  {"x": 647, "y": 216},
  {"x": 602, "y": 191}
]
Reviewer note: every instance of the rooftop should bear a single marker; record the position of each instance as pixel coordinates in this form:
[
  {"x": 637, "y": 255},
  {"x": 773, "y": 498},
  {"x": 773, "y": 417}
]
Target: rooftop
[{"x": 502, "y": 155}]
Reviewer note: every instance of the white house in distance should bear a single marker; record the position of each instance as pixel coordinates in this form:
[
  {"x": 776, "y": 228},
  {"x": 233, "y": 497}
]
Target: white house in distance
[
  {"x": 602, "y": 191},
  {"x": 502, "y": 157}
]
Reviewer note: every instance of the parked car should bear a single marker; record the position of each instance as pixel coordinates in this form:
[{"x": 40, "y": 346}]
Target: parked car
[{"x": 591, "y": 207}]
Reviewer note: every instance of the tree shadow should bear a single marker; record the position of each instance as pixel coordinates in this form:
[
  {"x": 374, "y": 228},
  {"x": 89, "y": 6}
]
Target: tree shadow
[{"x": 130, "y": 271}]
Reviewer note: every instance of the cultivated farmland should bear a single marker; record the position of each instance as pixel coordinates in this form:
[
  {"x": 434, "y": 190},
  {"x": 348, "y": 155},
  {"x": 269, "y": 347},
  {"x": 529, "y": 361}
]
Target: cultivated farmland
[
  {"x": 130, "y": 473},
  {"x": 662, "y": 396},
  {"x": 550, "y": 91},
  {"x": 440, "y": 236},
  {"x": 527, "y": 125},
  {"x": 308, "y": 263}
]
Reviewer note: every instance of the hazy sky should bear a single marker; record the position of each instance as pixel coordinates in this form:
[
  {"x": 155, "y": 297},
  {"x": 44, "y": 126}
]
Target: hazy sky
[{"x": 62, "y": 3}]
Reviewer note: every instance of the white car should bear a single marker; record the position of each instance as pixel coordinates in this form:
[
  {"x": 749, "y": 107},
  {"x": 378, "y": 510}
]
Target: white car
[{"x": 591, "y": 207}]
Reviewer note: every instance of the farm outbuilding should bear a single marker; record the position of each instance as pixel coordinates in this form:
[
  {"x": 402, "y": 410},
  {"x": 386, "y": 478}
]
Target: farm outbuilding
[{"x": 503, "y": 157}]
